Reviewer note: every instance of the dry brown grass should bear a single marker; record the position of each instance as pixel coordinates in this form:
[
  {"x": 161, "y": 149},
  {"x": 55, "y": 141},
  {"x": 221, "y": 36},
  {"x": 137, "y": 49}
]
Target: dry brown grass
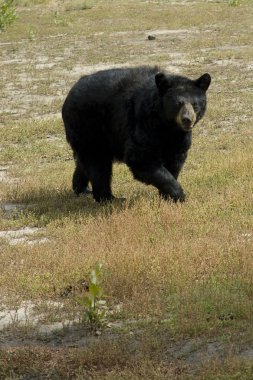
[{"x": 173, "y": 272}]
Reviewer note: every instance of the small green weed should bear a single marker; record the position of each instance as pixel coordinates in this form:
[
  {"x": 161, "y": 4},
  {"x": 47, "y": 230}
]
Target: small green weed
[
  {"x": 94, "y": 305},
  {"x": 7, "y": 14},
  {"x": 234, "y": 3},
  {"x": 60, "y": 20},
  {"x": 32, "y": 33}
]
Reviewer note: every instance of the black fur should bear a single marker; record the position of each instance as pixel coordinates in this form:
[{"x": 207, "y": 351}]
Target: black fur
[{"x": 129, "y": 115}]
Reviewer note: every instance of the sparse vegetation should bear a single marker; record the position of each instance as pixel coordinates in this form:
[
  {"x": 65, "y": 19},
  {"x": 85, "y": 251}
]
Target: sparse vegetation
[
  {"x": 78, "y": 5},
  {"x": 94, "y": 304},
  {"x": 234, "y": 3},
  {"x": 182, "y": 274},
  {"x": 7, "y": 14}
]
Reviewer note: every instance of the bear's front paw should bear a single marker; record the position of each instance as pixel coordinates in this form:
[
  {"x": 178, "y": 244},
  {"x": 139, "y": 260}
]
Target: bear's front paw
[{"x": 178, "y": 196}]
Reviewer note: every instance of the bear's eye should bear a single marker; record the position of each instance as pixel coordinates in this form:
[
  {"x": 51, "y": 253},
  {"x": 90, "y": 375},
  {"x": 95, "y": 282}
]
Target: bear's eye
[
  {"x": 180, "y": 103},
  {"x": 195, "y": 106}
]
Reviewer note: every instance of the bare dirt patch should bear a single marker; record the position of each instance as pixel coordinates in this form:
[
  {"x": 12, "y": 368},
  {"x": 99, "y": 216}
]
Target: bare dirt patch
[
  {"x": 39, "y": 83},
  {"x": 4, "y": 175},
  {"x": 22, "y": 235}
]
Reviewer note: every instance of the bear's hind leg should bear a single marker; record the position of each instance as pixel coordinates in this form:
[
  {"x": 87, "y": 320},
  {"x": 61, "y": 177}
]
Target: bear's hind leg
[{"x": 80, "y": 180}]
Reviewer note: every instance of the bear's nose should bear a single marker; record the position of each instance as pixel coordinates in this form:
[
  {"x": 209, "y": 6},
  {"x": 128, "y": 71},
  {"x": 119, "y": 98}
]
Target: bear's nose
[{"x": 187, "y": 121}]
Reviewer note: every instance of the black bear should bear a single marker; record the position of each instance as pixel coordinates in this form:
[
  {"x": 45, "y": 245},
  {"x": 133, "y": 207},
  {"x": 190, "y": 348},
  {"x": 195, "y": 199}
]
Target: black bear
[{"x": 141, "y": 116}]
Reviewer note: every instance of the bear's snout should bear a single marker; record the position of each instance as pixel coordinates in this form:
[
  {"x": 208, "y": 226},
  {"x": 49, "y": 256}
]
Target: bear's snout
[
  {"x": 186, "y": 117},
  {"x": 187, "y": 121}
]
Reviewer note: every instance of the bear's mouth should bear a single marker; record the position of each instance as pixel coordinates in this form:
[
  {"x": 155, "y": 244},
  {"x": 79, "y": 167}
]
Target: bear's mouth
[{"x": 187, "y": 124}]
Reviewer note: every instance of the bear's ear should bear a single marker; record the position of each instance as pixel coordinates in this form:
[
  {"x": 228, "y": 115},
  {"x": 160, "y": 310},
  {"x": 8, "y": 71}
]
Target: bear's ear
[
  {"x": 162, "y": 82},
  {"x": 203, "y": 82}
]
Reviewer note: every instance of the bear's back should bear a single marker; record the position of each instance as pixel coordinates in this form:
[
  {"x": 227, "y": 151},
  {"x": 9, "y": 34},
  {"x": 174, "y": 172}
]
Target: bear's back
[{"x": 101, "y": 86}]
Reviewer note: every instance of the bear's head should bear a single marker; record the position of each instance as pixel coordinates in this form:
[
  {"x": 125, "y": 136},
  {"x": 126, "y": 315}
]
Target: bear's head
[{"x": 183, "y": 99}]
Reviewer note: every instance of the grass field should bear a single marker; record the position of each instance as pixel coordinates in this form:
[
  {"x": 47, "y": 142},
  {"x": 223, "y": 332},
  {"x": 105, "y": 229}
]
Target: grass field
[{"x": 177, "y": 277}]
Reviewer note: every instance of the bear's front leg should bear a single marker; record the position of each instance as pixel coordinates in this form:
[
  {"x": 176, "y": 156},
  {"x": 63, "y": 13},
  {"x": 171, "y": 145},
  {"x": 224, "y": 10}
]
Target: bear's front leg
[{"x": 162, "y": 179}]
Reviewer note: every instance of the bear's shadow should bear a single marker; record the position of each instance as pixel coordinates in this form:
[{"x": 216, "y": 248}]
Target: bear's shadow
[{"x": 47, "y": 206}]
